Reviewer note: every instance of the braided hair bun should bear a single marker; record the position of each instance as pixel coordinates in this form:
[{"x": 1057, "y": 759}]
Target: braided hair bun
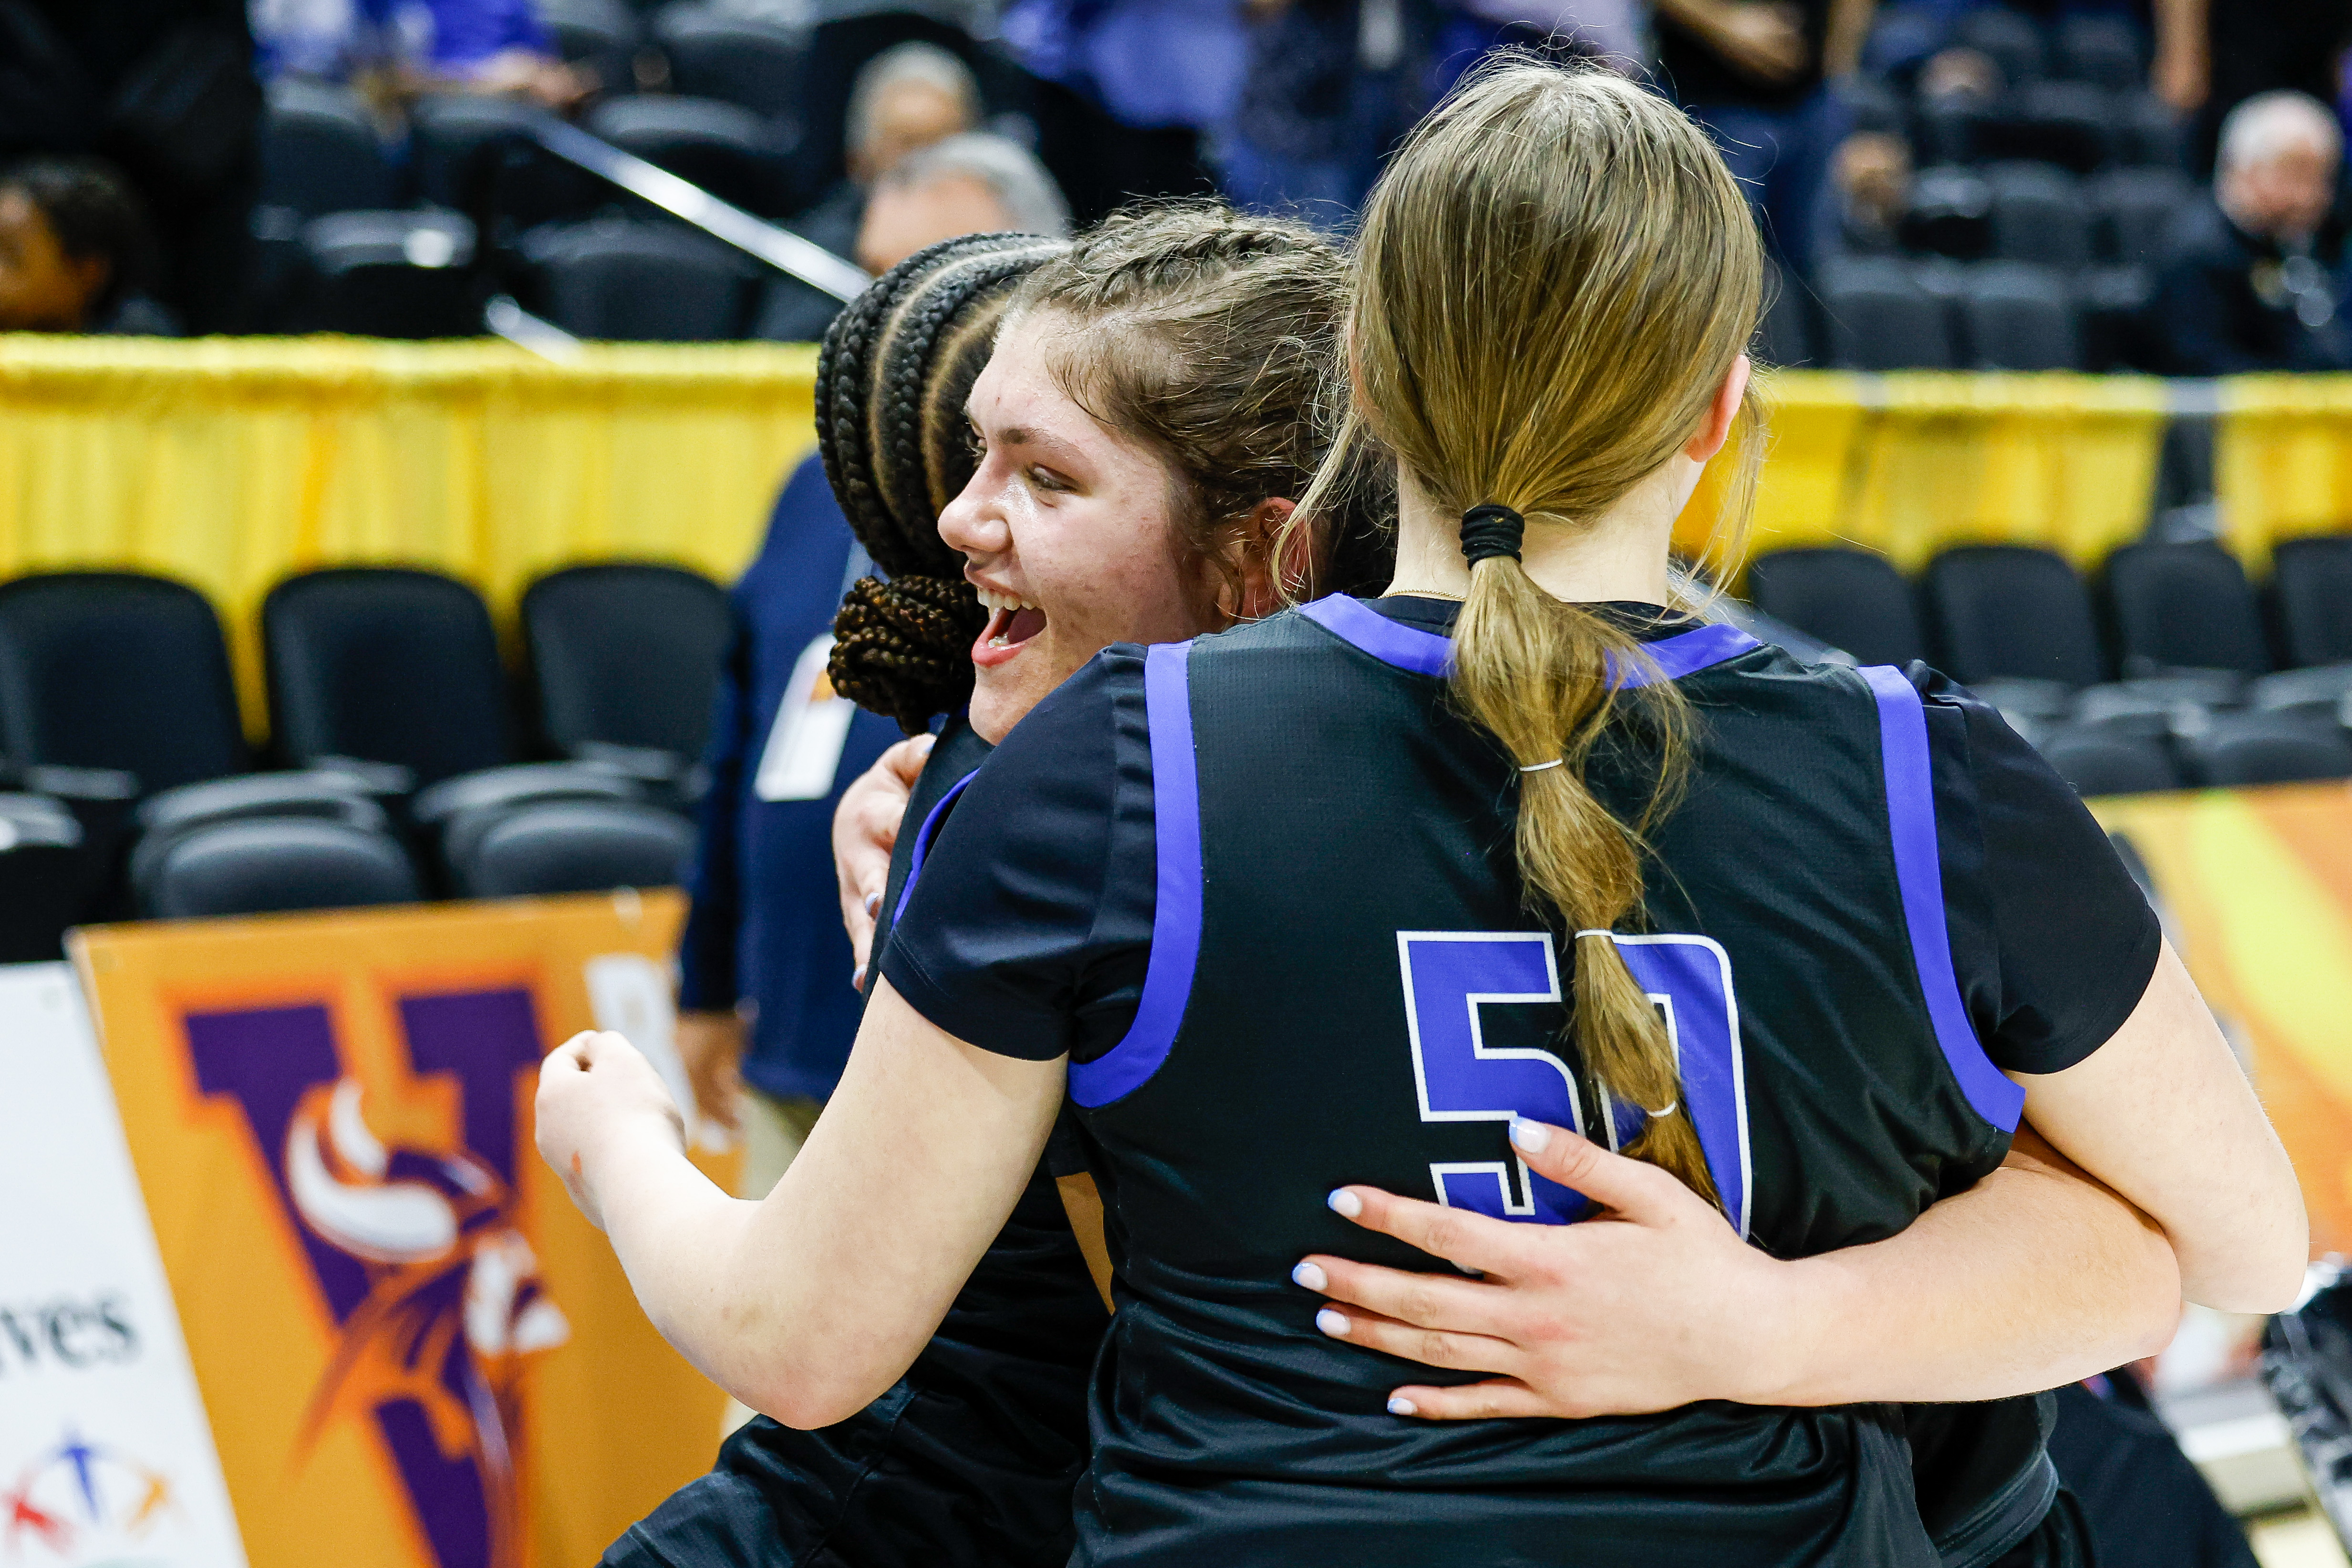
[{"x": 891, "y": 381}]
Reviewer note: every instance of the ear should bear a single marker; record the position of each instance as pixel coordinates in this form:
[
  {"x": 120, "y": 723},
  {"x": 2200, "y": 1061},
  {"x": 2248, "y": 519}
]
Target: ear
[
  {"x": 1250, "y": 586},
  {"x": 1716, "y": 429}
]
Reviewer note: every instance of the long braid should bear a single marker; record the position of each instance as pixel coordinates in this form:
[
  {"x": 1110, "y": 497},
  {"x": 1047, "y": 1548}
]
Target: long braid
[{"x": 895, "y": 370}]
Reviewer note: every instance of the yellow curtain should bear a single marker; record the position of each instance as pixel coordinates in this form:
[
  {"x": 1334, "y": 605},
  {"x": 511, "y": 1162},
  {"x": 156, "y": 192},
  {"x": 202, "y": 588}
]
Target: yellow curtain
[
  {"x": 231, "y": 463},
  {"x": 2282, "y": 460},
  {"x": 1911, "y": 463}
]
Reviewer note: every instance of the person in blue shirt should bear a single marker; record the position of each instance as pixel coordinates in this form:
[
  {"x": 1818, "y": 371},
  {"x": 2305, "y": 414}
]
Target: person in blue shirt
[{"x": 766, "y": 1010}]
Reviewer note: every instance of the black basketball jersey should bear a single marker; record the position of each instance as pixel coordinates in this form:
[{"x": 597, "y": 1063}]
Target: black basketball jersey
[
  {"x": 970, "y": 1459},
  {"x": 1341, "y": 983}
]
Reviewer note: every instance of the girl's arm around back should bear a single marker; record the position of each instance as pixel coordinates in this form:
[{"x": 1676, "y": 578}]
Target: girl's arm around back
[
  {"x": 2162, "y": 1114},
  {"x": 809, "y": 1304}
]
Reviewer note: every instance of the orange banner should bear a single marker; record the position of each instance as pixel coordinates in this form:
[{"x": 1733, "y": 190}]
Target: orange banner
[
  {"x": 2255, "y": 889},
  {"x": 413, "y": 1350}
]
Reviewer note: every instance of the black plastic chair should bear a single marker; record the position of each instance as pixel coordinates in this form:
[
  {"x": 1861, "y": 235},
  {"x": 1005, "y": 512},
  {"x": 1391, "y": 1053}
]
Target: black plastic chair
[
  {"x": 752, "y": 64},
  {"x": 626, "y": 656},
  {"x": 388, "y": 665},
  {"x": 1850, "y": 599},
  {"x": 320, "y": 152},
  {"x": 2311, "y": 584},
  {"x": 1949, "y": 214},
  {"x": 469, "y": 150},
  {"x": 2184, "y": 607},
  {"x": 2019, "y": 317},
  {"x": 2111, "y": 306},
  {"x": 570, "y": 846},
  {"x": 1880, "y": 318},
  {"x": 2133, "y": 209},
  {"x": 2015, "y": 44},
  {"x": 2263, "y": 748},
  {"x": 2068, "y": 124},
  {"x": 117, "y": 669},
  {"x": 2039, "y": 216},
  {"x": 2145, "y": 132},
  {"x": 2105, "y": 51},
  {"x": 390, "y": 275},
  {"x": 1997, "y": 611},
  {"x": 640, "y": 282},
  {"x": 597, "y": 36},
  {"x": 2106, "y": 761},
  {"x": 725, "y": 148},
  {"x": 48, "y": 872},
  {"x": 269, "y": 864}
]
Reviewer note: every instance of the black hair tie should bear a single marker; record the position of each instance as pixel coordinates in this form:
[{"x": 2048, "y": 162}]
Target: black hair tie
[{"x": 1491, "y": 530}]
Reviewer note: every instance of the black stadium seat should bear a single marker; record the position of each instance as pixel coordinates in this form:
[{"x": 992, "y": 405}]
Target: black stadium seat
[
  {"x": 2269, "y": 748},
  {"x": 598, "y": 37},
  {"x": 2008, "y": 611},
  {"x": 47, "y": 874},
  {"x": 627, "y": 655},
  {"x": 2311, "y": 583},
  {"x": 2038, "y": 214},
  {"x": 2019, "y": 317},
  {"x": 265, "y": 864},
  {"x": 2013, "y": 42},
  {"x": 448, "y": 135},
  {"x": 320, "y": 152},
  {"x": 1850, "y": 599},
  {"x": 725, "y": 148},
  {"x": 2108, "y": 762},
  {"x": 570, "y": 846},
  {"x": 2111, "y": 313},
  {"x": 388, "y": 665},
  {"x": 390, "y": 275},
  {"x": 737, "y": 59},
  {"x": 2063, "y": 124},
  {"x": 639, "y": 282},
  {"x": 2184, "y": 607},
  {"x": 2132, "y": 209},
  {"x": 2146, "y": 131},
  {"x": 1880, "y": 318},
  {"x": 2105, "y": 51},
  {"x": 1950, "y": 214},
  {"x": 115, "y": 669}
]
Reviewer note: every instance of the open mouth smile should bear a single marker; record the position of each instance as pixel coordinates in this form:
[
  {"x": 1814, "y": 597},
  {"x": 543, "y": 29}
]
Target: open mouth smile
[{"x": 1012, "y": 622}]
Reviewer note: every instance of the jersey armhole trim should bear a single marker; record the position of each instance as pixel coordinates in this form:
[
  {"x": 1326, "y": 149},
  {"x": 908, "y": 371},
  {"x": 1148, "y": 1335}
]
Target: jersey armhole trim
[
  {"x": 935, "y": 819},
  {"x": 1919, "y": 874},
  {"x": 1176, "y": 888},
  {"x": 1426, "y": 653}
]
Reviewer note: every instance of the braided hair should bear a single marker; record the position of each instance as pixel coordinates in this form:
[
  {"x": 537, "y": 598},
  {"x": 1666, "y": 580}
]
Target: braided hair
[{"x": 891, "y": 381}]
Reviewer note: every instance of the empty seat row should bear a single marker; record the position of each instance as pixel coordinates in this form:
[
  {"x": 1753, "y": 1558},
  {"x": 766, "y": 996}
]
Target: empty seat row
[
  {"x": 2071, "y": 125},
  {"x": 2029, "y": 212},
  {"x": 2103, "y": 50},
  {"x": 1881, "y": 314}
]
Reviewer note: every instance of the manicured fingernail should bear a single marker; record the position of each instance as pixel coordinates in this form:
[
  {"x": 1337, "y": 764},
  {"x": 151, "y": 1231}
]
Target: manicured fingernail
[
  {"x": 1345, "y": 1203},
  {"x": 1401, "y": 1405},
  {"x": 1308, "y": 1275},
  {"x": 1333, "y": 1322},
  {"x": 1529, "y": 1136},
  {"x": 858, "y": 980},
  {"x": 873, "y": 904}
]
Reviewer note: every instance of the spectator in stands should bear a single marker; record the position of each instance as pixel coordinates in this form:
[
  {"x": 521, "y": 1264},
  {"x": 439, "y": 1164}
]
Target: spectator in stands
[
  {"x": 1864, "y": 198},
  {"x": 971, "y": 184},
  {"x": 2255, "y": 278},
  {"x": 73, "y": 251},
  {"x": 1756, "y": 74},
  {"x": 905, "y": 98},
  {"x": 2213, "y": 54},
  {"x": 468, "y": 45}
]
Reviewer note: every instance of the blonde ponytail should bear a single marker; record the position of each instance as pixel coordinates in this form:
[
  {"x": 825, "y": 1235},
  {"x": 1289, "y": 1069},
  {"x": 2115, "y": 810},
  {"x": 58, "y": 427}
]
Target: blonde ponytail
[{"x": 1554, "y": 277}]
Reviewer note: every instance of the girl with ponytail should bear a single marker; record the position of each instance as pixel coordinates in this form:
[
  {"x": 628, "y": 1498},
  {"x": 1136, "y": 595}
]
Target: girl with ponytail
[{"x": 1375, "y": 893}]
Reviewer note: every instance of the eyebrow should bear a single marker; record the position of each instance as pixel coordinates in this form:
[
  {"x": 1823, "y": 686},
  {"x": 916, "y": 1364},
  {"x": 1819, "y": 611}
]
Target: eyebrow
[{"x": 1053, "y": 446}]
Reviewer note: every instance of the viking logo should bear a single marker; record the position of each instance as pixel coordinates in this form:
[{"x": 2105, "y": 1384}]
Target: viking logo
[
  {"x": 79, "y": 1497},
  {"x": 433, "y": 1287}
]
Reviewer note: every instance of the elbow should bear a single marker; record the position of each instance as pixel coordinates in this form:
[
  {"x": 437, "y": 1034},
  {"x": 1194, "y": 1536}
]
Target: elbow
[
  {"x": 809, "y": 1403},
  {"x": 2262, "y": 1279}
]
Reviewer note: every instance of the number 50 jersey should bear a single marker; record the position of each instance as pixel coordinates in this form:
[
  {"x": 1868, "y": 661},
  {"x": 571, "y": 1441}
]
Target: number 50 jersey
[{"x": 1260, "y": 888}]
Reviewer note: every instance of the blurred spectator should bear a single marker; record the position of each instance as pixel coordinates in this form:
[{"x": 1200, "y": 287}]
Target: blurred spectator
[
  {"x": 972, "y": 183},
  {"x": 1755, "y": 73},
  {"x": 766, "y": 1002},
  {"x": 1331, "y": 86},
  {"x": 1125, "y": 92},
  {"x": 905, "y": 98},
  {"x": 1867, "y": 193},
  {"x": 165, "y": 91},
  {"x": 320, "y": 39},
  {"x": 73, "y": 251},
  {"x": 468, "y": 45},
  {"x": 2253, "y": 279},
  {"x": 850, "y": 35},
  {"x": 2210, "y": 57}
]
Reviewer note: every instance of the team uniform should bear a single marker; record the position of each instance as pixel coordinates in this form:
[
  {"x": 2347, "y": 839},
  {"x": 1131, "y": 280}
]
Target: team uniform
[
  {"x": 970, "y": 1459},
  {"x": 1260, "y": 889}
]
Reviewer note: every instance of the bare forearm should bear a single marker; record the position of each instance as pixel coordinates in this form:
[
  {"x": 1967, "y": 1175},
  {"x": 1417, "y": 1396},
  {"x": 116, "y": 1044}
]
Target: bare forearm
[
  {"x": 2035, "y": 1276},
  {"x": 678, "y": 1236}
]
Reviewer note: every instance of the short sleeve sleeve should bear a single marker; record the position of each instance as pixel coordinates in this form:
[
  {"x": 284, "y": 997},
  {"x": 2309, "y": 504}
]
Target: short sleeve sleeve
[
  {"x": 1024, "y": 931},
  {"x": 2054, "y": 942}
]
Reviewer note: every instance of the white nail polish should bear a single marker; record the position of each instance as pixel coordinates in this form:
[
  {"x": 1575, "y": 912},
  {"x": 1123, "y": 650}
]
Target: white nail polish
[
  {"x": 858, "y": 980},
  {"x": 1310, "y": 1276},
  {"x": 1345, "y": 1203},
  {"x": 1332, "y": 1322},
  {"x": 1529, "y": 1137},
  {"x": 873, "y": 904},
  {"x": 1401, "y": 1405}
]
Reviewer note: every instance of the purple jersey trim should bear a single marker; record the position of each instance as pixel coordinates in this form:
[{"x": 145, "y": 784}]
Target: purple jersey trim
[
  {"x": 1425, "y": 653},
  {"x": 1918, "y": 870},
  {"x": 933, "y": 822},
  {"x": 1176, "y": 906}
]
